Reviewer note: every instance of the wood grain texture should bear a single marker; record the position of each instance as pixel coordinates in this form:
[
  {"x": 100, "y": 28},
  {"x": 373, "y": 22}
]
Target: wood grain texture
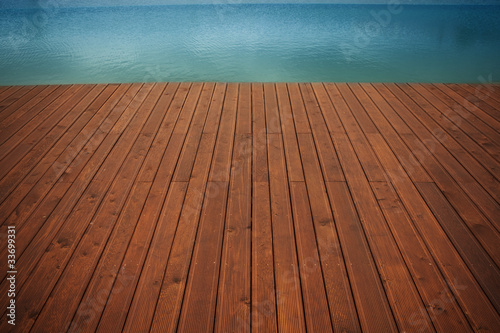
[{"x": 252, "y": 207}]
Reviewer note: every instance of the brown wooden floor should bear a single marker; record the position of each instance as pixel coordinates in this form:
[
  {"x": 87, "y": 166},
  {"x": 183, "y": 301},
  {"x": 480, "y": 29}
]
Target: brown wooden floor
[{"x": 264, "y": 207}]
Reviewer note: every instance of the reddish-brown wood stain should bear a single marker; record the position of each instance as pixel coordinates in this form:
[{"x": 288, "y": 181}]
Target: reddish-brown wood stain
[{"x": 201, "y": 207}]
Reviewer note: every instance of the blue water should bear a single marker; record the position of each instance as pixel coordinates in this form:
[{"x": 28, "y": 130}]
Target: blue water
[{"x": 339, "y": 43}]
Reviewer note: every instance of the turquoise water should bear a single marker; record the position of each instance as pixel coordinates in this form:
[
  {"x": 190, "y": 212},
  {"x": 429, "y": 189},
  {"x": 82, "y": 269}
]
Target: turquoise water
[{"x": 339, "y": 43}]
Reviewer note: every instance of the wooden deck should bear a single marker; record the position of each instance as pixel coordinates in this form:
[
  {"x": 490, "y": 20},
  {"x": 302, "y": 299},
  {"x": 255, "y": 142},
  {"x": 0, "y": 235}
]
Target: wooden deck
[{"x": 252, "y": 207}]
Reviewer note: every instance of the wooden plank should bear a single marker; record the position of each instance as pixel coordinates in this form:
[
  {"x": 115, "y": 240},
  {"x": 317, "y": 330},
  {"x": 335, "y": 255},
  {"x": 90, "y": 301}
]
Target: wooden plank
[
  {"x": 3, "y": 89},
  {"x": 341, "y": 302},
  {"x": 489, "y": 93},
  {"x": 385, "y": 251},
  {"x": 487, "y": 87},
  {"x": 16, "y": 93},
  {"x": 484, "y": 99},
  {"x": 58, "y": 140},
  {"x": 74, "y": 92},
  {"x": 368, "y": 161},
  {"x": 341, "y": 94},
  {"x": 33, "y": 166},
  {"x": 26, "y": 153},
  {"x": 166, "y": 227},
  {"x": 140, "y": 316},
  {"x": 399, "y": 286},
  {"x": 456, "y": 273},
  {"x": 469, "y": 212},
  {"x": 326, "y": 151},
  {"x": 298, "y": 109},
  {"x": 478, "y": 261},
  {"x": 292, "y": 155},
  {"x": 6, "y": 92},
  {"x": 57, "y": 255},
  {"x": 171, "y": 294},
  {"x": 154, "y": 219},
  {"x": 487, "y": 90},
  {"x": 437, "y": 142},
  {"x": 234, "y": 302},
  {"x": 397, "y": 282},
  {"x": 263, "y": 313},
  {"x": 171, "y": 101},
  {"x": 213, "y": 118},
  {"x": 53, "y": 223},
  {"x": 199, "y": 304},
  {"x": 188, "y": 153},
  {"x": 92, "y": 243},
  {"x": 185, "y": 118},
  {"x": 329, "y": 113},
  {"x": 316, "y": 312},
  {"x": 35, "y": 101},
  {"x": 37, "y": 193},
  {"x": 464, "y": 206},
  {"x": 234, "y": 293},
  {"x": 116, "y": 276},
  {"x": 442, "y": 307},
  {"x": 89, "y": 309},
  {"x": 488, "y": 136},
  {"x": 110, "y": 279},
  {"x": 435, "y": 109},
  {"x": 29, "y": 195},
  {"x": 17, "y": 98},
  {"x": 373, "y": 308},
  {"x": 45, "y": 208},
  {"x": 259, "y": 161},
  {"x": 166, "y": 315},
  {"x": 154, "y": 209},
  {"x": 244, "y": 124},
  {"x": 290, "y": 313},
  {"x": 474, "y": 101},
  {"x": 68, "y": 146},
  {"x": 487, "y": 84},
  {"x": 110, "y": 132},
  {"x": 21, "y": 114},
  {"x": 223, "y": 150},
  {"x": 273, "y": 124},
  {"x": 405, "y": 155},
  {"x": 18, "y": 145},
  {"x": 66, "y": 297}
]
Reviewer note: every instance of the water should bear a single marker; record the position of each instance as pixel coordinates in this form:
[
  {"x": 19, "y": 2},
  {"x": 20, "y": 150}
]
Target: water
[{"x": 339, "y": 43}]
